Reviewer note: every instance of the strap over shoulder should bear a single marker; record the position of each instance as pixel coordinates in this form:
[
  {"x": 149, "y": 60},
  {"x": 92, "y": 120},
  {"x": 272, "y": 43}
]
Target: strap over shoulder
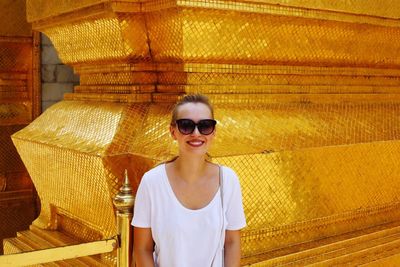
[{"x": 221, "y": 185}]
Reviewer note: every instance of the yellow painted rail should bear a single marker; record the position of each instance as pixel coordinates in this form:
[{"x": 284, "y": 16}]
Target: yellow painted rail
[{"x": 58, "y": 253}]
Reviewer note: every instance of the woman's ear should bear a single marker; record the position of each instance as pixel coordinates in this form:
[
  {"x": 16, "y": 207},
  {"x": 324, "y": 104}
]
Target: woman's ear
[
  {"x": 172, "y": 132},
  {"x": 214, "y": 132}
]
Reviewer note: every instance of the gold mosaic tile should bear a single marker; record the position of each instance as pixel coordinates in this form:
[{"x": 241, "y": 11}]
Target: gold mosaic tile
[{"x": 306, "y": 100}]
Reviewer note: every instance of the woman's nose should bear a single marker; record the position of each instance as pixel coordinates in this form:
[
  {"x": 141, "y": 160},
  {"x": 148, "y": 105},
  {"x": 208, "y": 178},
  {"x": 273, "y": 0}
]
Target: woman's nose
[{"x": 196, "y": 131}]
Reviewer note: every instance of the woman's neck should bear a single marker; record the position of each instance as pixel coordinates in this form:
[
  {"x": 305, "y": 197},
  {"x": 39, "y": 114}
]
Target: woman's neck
[{"x": 190, "y": 168}]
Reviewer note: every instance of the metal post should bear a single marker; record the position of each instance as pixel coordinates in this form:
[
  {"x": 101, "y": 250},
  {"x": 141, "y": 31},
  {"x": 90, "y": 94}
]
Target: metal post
[{"x": 124, "y": 201}]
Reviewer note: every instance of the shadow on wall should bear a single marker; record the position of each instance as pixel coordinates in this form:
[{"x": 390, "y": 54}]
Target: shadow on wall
[{"x": 57, "y": 78}]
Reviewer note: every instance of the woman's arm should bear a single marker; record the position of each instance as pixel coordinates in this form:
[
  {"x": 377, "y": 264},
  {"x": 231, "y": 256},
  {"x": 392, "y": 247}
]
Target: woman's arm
[
  {"x": 143, "y": 246},
  {"x": 232, "y": 248}
]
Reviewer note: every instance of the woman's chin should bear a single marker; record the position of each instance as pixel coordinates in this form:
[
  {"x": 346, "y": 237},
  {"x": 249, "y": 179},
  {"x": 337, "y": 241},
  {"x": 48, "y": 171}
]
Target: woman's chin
[{"x": 199, "y": 151}]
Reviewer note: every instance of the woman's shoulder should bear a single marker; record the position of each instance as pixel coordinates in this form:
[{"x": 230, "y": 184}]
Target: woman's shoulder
[
  {"x": 230, "y": 175},
  {"x": 154, "y": 175},
  {"x": 228, "y": 171},
  {"x": 231, "y": 182}
]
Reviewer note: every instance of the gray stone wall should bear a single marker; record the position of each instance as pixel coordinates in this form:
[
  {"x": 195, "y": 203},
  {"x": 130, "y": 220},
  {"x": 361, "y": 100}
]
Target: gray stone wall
[{"x": 57, "y": 78}]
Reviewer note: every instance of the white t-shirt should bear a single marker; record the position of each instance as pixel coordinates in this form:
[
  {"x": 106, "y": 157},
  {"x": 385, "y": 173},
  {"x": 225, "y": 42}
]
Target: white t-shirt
[{"x": 185, "y": 237}]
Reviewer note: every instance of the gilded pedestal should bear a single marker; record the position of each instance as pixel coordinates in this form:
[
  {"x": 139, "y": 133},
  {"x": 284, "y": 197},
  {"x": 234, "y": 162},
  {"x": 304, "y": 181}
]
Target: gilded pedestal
[{"x": 306, "y": 102}]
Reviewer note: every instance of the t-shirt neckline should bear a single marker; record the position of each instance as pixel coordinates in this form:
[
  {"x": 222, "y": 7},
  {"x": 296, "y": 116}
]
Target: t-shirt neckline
[{"x": 176, "y": 200}]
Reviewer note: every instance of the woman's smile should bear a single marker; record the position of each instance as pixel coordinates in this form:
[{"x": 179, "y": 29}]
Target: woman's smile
[{"x": 195, "y": 142}]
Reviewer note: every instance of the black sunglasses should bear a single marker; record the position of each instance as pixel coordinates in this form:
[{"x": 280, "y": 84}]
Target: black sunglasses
[{"x": 187, "y": 126}]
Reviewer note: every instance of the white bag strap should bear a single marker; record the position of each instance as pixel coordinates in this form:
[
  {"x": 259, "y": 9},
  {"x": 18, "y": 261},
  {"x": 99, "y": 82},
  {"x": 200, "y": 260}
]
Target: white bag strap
[
  {"x": 221, "y": 186},
  {"x": 221, "y": 192}
]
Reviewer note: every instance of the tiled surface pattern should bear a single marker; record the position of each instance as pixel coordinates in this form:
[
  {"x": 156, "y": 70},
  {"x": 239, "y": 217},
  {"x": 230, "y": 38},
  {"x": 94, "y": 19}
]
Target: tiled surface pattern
[
  {"x": 19, "y": 104},
  {"x": 306, "y": 101}
]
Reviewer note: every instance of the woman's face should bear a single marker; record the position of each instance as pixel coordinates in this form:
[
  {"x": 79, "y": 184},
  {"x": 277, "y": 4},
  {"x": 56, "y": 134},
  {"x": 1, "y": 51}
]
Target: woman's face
[{"x": 194, "y": 143}]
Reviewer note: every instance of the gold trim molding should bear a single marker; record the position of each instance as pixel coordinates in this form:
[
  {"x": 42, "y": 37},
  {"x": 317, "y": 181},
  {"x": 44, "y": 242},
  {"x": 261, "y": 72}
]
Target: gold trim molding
[{"x": 385, "y": 13}]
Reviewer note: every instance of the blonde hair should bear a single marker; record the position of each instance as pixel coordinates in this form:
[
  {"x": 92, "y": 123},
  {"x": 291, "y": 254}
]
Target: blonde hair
[{"x": 191, "y": 98}]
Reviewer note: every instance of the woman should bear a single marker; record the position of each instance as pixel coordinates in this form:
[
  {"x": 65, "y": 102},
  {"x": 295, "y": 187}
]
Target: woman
[{"x": 180, "y": 214}]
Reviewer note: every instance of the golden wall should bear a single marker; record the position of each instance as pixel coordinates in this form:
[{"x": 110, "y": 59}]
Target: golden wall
[
  {"x": 19, "y": 105},
  {"x": 306, "y": 98}
]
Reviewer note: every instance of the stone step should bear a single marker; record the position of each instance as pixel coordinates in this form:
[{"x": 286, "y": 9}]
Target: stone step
[
  {"x": 37, "y": 239},
  {"x": 58, "y": 239},
  {"x": 15, "y": 245},
  {"x": 364, "y": 256},
  {"x": 37, "y": 243},
  {"x": 354, "y": 248},
  {"x": 391, "y": 261}
]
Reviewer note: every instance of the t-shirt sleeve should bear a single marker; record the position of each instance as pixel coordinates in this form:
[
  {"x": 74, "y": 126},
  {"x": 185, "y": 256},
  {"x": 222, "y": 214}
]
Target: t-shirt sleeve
[
  {"x": 235, "y": 213},
  {"x": 142, "y": 208}
]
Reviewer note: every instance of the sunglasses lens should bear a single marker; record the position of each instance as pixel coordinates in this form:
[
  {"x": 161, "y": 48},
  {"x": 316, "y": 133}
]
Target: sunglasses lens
[
  {"x": 186, "y": 126},
  {"x": 206, "y": 127}
]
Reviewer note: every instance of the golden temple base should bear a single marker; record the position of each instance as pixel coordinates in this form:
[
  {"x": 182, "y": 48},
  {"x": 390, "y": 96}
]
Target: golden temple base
[
  {"x": 300, "y": 199},
  {"x": 306, "y": 98},
  {"x": 38, "y": 239},
  {"x": 375, "y": 246}
]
